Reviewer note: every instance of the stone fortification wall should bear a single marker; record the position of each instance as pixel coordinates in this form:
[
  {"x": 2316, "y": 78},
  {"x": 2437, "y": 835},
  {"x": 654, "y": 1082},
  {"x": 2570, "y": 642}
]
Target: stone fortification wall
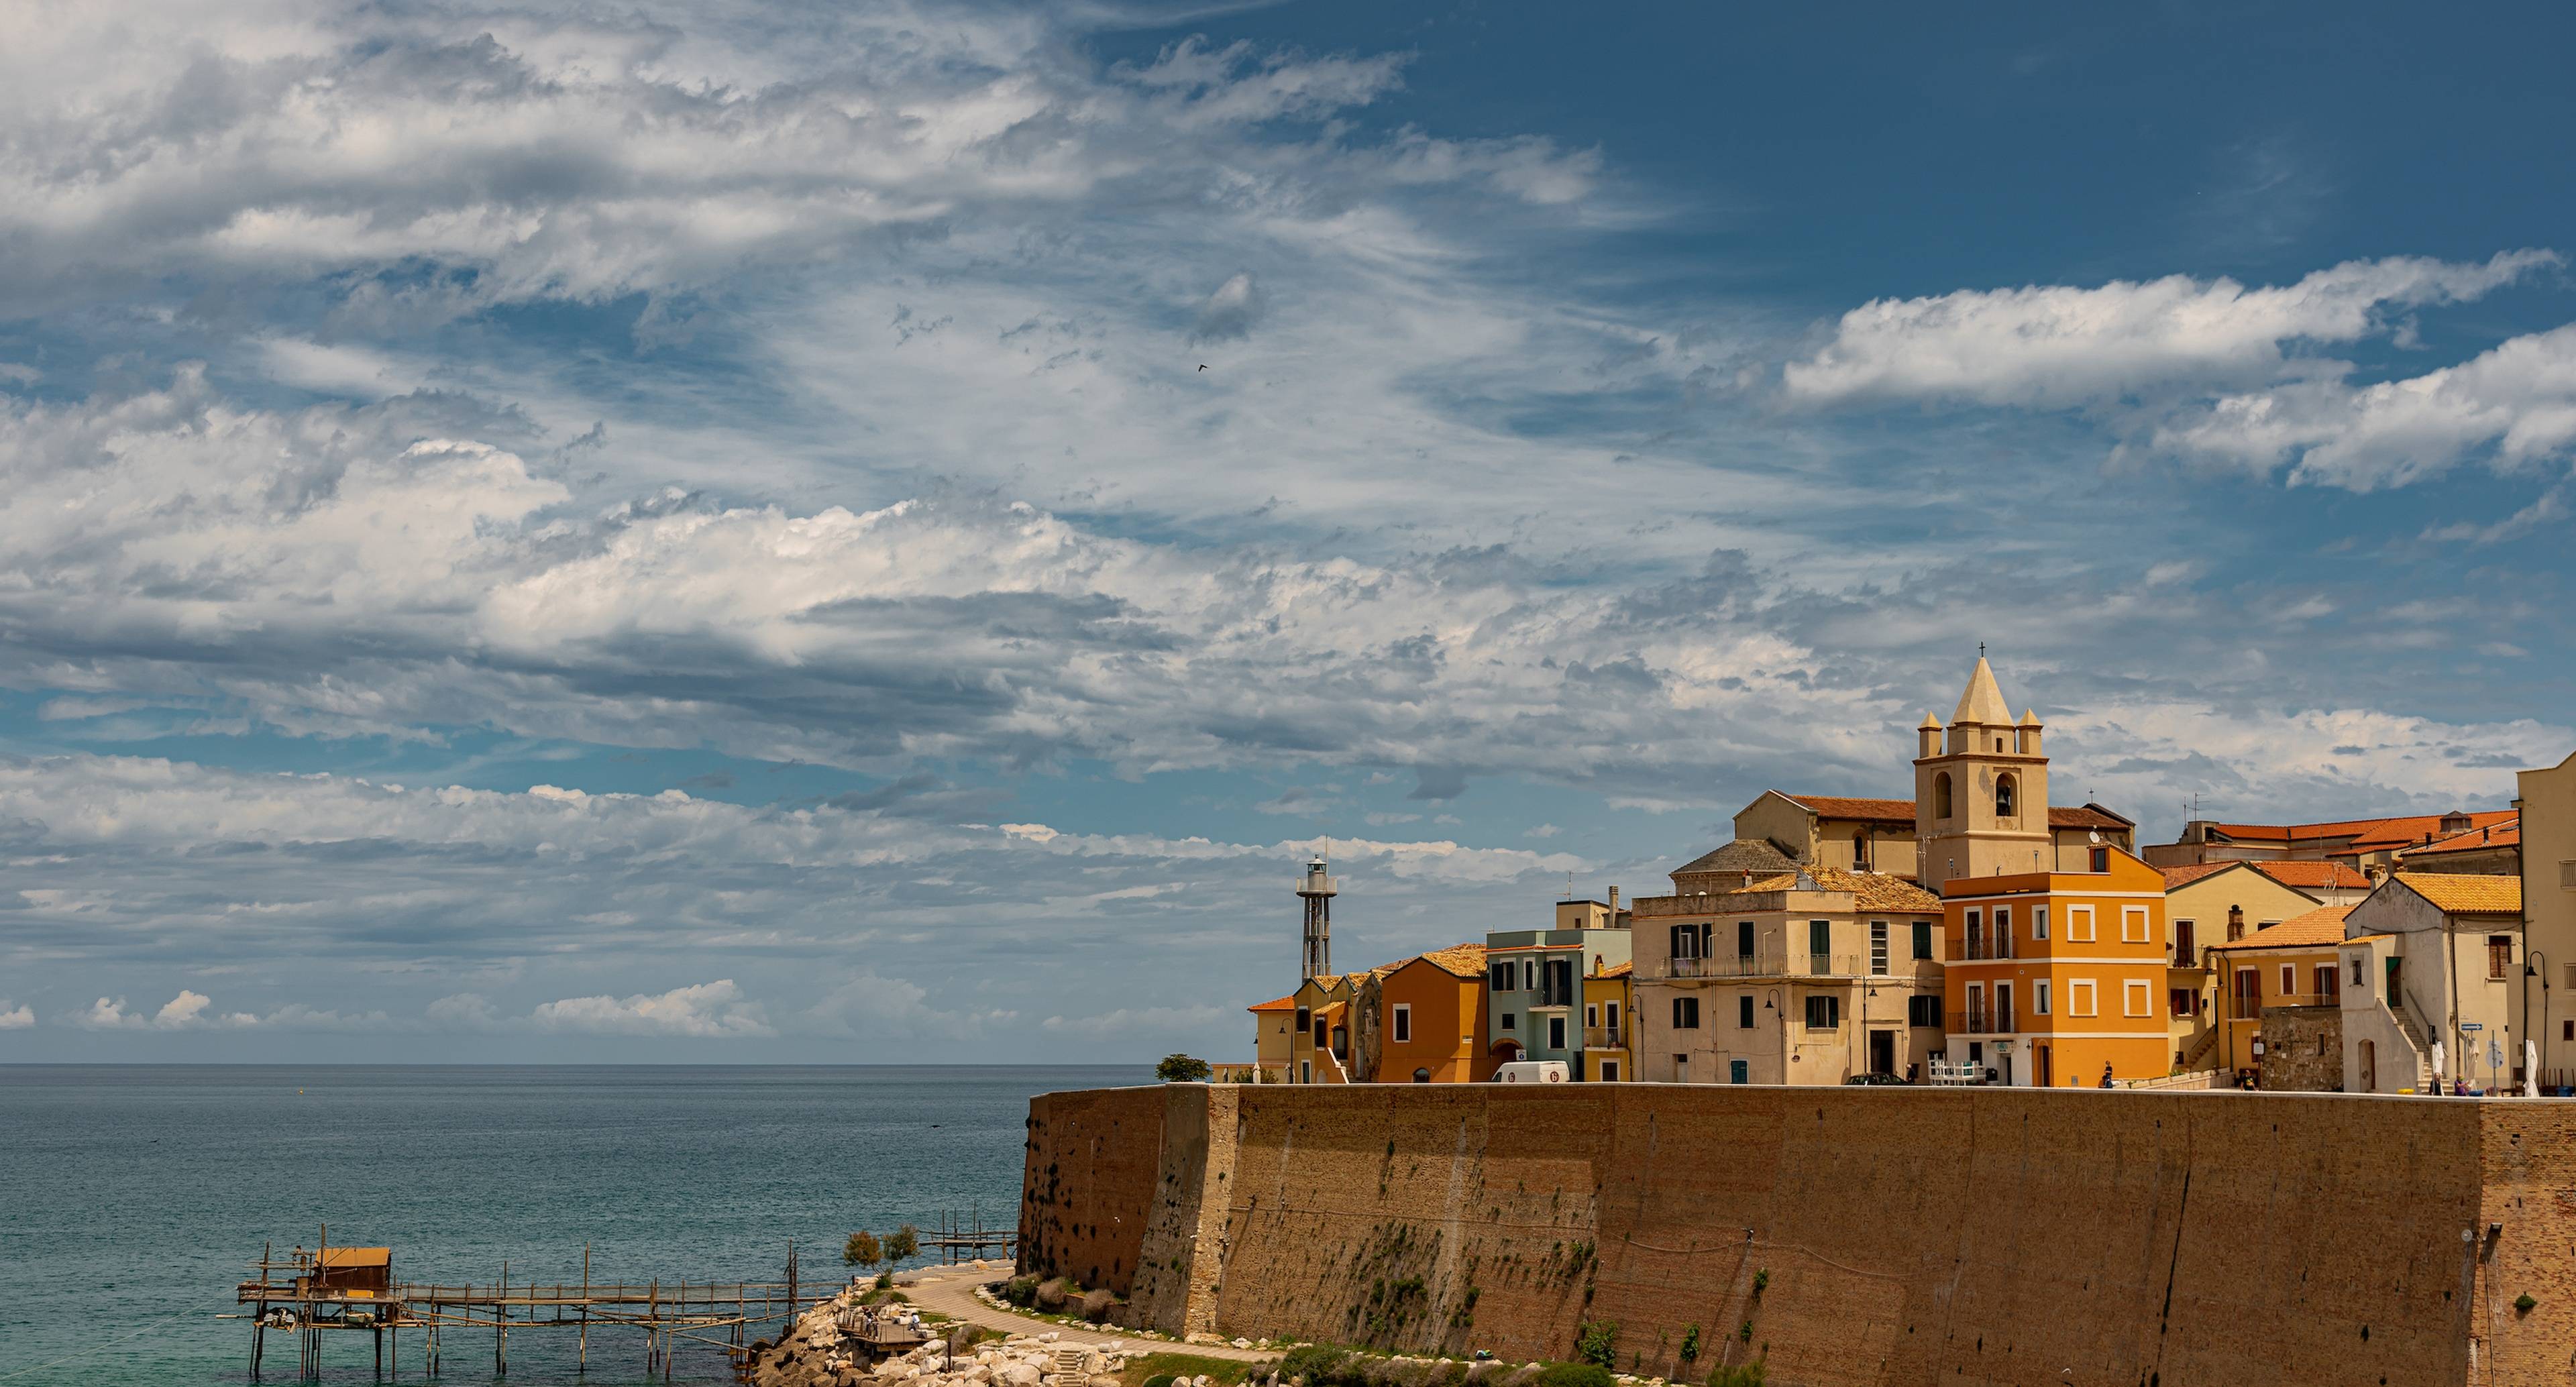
[
  {"x": 2303, "y": 1049},
  {"x": 1874, "y": 1236},
  {"x": 1087, "y": 1183}
]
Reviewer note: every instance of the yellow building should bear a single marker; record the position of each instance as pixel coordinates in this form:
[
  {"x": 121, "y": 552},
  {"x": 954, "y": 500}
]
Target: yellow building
[
  {"x": 1608, "y": 1019},
  {"x": 1319, "y": 1038},
  {"x": 2211, "y": 903},
  {"x": 2289, "y": 964},
  {"x": 1271, "y": 1022}
]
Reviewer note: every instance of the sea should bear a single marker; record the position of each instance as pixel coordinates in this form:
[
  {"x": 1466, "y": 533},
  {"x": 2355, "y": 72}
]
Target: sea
[{"x": 133, "y": 1198}]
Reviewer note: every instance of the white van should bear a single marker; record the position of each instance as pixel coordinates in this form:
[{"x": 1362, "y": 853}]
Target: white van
[{"x": 1532, "y": 1072}]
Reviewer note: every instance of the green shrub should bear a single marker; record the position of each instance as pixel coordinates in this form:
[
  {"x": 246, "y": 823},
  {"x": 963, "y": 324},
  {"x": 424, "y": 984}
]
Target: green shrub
[
  {"x": 902, "y": 1243},
  {"x": 1690, "y": 1344},
  {"x": 1021, "y": 1291},
  {"x": 1181, "y": 1069},
  {"x": 1573, "y": 1375},
  {"x": 1052, "y": 1293},
  {"x": 1742, "y": 1375},
  {"x": 1761, "y": 1282},
  {"x": 1159, "y": 1380},
  {"x": 2524, "y": 1302},
  {"x": 1597, "y": 1343},
  {"x": 1096, "y": 1304},
  {"x": 862, "y": 1250},
  {"x": 885, "y": 1280},
  {"x": 1318, "y": 1364}
]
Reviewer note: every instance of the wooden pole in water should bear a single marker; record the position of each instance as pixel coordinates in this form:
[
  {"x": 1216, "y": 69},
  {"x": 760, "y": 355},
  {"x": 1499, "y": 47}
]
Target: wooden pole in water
[
  {"x": 501, "y": 1324},
  {"x": 379, "y": 1331},
  {"x": 585, "y": 1310},
  {"x": 259, "y": 1326}
]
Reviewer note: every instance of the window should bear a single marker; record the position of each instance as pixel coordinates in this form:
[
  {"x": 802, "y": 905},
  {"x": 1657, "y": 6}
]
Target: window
[
  {"x": 1319, "y": 1030},
  {"x": 1609, "y": 1071},
  {"x": 2003, "y": 931},
  {"x": 1686, "y": 1013},
  {"x": 2327, "y": 983},
  {"x": 1403, "y": 1022},
  {"x": 1556, "y": 1032},
  {"x": 1611, "y": 1010},
  {"x": 2003, "y": 793},
  {"x": 2499, "y": 955},
  {"x": 1824, "y": 1013},
  {"x": 2359, "y": 978},
  {"x": 2133, "y": 998},
  {"x": 1923, "y": 1009},
  {"x": 1511, "y": 1020},
  {"x": 2288, "y": 983},
  {"x": 2249, "y": 994},
  {"x": 1744, "y": 1012},
  {"x": 2178, "y": 1002},
  {"x": 1820, "y": 946},
  {"x": 1305, "y": 1071},
  {"x": 1529, "y": 975},
  {"x": 2101, "y": 860},
  {"x": 2566, "y": 875},
  {"x": 1878, "y": 948},
  {"x": 2079, "y": 997},
  {"x": 2039, "y": 922},
  {"x": 1305, "y": 1020},
  {"x": 1744, "y": 939},
  {"x": 2079, "y": 923},
  {"x": 1941, "y": 795},
  {"x": 2039, "y": 998},
  {"x": 2567, "y": 1030},
  {"x": 1976, "y": 934},
  {"x": 2003, "y": 1007},
  {"x": 1504, "y": 974},
  {"x": 2133, "y": 924},
  {"x": 1923, "y": 941},
  {"x": 1591, "y": 1014}
]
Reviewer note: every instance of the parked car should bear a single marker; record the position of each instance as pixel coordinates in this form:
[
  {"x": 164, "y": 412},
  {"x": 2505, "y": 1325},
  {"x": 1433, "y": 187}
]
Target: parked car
[{"x": 1532, "y": 1072}]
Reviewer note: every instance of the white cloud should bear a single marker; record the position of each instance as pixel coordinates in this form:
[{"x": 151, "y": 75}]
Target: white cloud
[
  {"x": 106, "y": 1014},
  {"x": 2514, "y": 405},
  {"x": 182, "y": 1010},
  {"x": 708, "y": 1010},
  {"x": 17, "y": 1018},
  {"x": 1131, "y": 1021},
  {"x": 2047, "y": 346}
]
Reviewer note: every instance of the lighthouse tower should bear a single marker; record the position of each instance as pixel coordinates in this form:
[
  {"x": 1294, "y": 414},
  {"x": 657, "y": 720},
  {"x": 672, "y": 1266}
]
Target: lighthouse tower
[{"x": 1317, "y": 889}]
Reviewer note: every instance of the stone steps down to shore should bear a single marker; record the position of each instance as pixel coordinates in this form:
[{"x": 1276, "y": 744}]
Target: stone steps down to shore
[{"x": 816, "y": 1352}]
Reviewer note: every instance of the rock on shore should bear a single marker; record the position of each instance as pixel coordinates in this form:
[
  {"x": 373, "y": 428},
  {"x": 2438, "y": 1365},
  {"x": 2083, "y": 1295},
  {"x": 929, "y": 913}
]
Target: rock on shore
[{"x": 814, "y": 1353}]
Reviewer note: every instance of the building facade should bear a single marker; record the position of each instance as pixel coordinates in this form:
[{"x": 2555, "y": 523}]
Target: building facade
[
  {"x": 1422, "y": 1021},
  {"x": 2443, "y": 954},
  {"x": 1807, "y": 978},
  {"x": 1536, "y": 982},
  {"x": 2214, "y": 903},
  {"x": 2545, "y": 802},
  {"x": 2286, "y": 976},
  {"x": 1609, "y": 1019},
  {"x": 2055, "y": 978}
]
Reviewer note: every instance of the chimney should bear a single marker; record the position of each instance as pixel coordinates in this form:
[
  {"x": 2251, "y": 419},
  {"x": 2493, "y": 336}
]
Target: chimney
[
  {"x": 1614, "y": 905},
  {"x": 2235, "y": 922}
]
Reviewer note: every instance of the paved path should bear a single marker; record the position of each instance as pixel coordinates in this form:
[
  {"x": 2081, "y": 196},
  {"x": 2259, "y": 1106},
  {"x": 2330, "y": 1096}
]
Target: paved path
[{"x": 951, "y": 1292}]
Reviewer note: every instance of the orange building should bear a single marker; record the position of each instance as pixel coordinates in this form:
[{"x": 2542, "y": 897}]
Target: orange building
[
  {"x": 2052, "y": 975},
  {"x": 2291, "y": 964},
  {"x": 1422, "y": 1021}
]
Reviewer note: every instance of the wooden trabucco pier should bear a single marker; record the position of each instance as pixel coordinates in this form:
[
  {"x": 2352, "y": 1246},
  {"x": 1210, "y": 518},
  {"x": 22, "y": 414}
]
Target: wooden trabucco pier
[{"x": 346, "y": 1290}]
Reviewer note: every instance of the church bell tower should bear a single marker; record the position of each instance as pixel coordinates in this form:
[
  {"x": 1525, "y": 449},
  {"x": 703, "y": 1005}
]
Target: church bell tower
[{"x": 1980, "y": 789}]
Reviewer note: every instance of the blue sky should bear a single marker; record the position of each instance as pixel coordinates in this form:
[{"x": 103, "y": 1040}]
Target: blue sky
[{"x": 698, "y": 532}]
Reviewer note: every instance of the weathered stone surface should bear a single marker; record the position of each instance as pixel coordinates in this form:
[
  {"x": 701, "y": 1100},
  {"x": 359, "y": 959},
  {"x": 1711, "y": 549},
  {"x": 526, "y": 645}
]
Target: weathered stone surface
[{"x": 2174, "y": 1237}]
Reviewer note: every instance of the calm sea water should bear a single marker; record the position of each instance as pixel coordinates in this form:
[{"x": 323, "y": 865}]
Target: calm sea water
[{"x": 131, "y": 1197}]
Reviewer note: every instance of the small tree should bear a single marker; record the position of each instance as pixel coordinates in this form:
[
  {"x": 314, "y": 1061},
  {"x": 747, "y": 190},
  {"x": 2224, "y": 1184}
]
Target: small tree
[
  {"x": 902, "y": 1243},
  {"x": 1597, "y": 1343},
  {"x": 1181, "y": 1069},
  {"x": 862, "y": 1250}
]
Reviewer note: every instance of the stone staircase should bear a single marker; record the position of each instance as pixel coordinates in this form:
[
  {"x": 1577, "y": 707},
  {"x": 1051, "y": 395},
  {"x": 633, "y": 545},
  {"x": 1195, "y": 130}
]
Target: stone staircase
[
  {"x": 2423, "y": 1049},
  {"x": 2199, "y": 1051}
]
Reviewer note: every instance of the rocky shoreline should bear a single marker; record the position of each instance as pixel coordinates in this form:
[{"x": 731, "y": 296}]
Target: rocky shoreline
[{"x": 819, "y": 1350}]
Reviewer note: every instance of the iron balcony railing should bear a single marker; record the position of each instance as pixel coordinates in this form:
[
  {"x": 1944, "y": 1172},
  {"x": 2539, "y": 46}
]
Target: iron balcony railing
[
  {"x": 1982, "y": 1021},
  {"x": 1797, "y": 965},
  {"x": 1605, "y": 1037}
]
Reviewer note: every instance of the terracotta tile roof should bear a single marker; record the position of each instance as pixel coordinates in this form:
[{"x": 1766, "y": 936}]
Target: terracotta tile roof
[
  {"x": 2458, "y": 893},
  {"x": 1616, "y": 970},
  {"x": 2085, "y": 816},
  {"x": 2504, "y": 835},
  {"x": 2193, "y": 871},
  {"x": 1742, "y": 855},
  {"x": 2415, "y": 828},
  {"x": 2313, "y": 874},
  {"x": 1870, "y": 890},
  {"x": 1880, "y": 811},
  {"x": 1459, "y": 960},
  {"x": 2317, "y": 929},
  {"x": 1287, "y": 1003}
]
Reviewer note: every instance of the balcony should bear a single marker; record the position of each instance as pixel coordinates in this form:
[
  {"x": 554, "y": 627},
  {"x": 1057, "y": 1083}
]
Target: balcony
[
  {"x": 1798, "y": 965},
  {"x": 2187, "y": 956},
  {"x": 1982, "y": 1021},
  {"x": 1979, "y": 948},
  {"x": 1605, "y": 1037}
]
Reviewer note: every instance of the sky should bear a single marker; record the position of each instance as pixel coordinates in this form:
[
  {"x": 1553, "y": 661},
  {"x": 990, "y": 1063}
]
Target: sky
[{"x": 885, "y": 533}]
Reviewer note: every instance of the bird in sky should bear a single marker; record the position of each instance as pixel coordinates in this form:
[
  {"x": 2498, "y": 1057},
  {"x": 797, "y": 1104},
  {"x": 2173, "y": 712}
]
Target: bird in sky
[{"x": 1202, "y": 365}]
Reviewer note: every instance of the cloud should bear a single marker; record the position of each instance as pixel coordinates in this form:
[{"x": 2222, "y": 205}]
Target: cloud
[
  {"x": 1229, "y": 313},
  {"x": 2050, "y": 346},
  {"x": 182, "y": 1010},
  {"x": 708, "y": 1010},
  {"x": 2513, "y": 406},
  {"x": 16, "y": 1018}
]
